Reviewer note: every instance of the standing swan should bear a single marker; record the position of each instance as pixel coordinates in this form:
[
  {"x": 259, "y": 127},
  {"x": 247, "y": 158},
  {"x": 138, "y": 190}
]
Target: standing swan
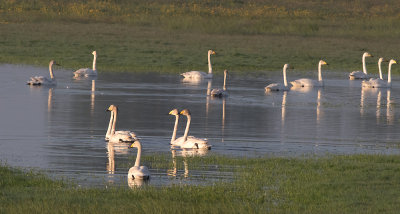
[
  {"x": 41, "y": 80},
  {"x": 375, "y": 82},
  {"x": 360, "y": 74},
  {"x": 137, "y": 171},
  {"x": 305, "y": 82},
  {"x": 200, "y": 74},
  {"x": 86, "y": 72},
  {"x": 117, "y": 136},
  {"x": 279, "y": 86},
  {"x": 192, "y": 142},
  {"x": 221, "y": 92}
]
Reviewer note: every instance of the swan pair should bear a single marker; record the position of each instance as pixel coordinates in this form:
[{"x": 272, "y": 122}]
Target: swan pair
[
  {"x": 186, "y": 142},
  {"x": 117, "y": 136},
  {"x": 197, "y": 75},
  {"x": 87, "y": 72},
  {"x": 304, "y": 82},
  {"x": 379, "y": 82},
  {"x": 41, "y": 80},
  {"x": 361, "y": 74}
]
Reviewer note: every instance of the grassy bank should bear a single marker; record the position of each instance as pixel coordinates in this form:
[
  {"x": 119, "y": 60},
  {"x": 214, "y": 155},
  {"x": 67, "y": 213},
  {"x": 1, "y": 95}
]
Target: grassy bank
[
  {"x": 174, "y": 36},
  {"x": 339, "y": 184}
]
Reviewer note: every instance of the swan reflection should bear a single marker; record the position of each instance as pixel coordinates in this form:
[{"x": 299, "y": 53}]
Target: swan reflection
[
  {"x": 92, "y": 96},
  {"x": 389, "y": 108},
  {"x": 185, "y": 153}
]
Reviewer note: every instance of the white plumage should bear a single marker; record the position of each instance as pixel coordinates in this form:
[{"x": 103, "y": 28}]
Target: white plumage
[
  {"x": 279, "y": 86},
  {"x": 87, "y": 72},
  {"x": 41, "y": 80},
  {"x": 200, "y": 74},
  {"x": 360, "y": 74}
]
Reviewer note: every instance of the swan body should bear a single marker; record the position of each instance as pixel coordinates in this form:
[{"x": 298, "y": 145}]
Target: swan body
[
  {"x": 305, "y": 82},
  {"x": 117, "y": 136},
  {"x": 86, "y": 72},
  {"x": 191, "y": 142},
  {"x": 383, "y": 84},
  {"x": 137, "y": 171},
  {"x": 360, "y": 74},
  {"x": 201, "y": 74},
  {"x": 181, "y": 140},
  {"x": 221, "y": 92},
  {"x": 279, "y": 86},
  {"x": 375, "y": 82},
  {"x": 41, "y": 80}
]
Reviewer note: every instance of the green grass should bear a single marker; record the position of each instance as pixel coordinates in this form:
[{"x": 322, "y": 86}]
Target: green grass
[
  {"x": 174, "y": 36},
  {"x": 334, "y": 184}
]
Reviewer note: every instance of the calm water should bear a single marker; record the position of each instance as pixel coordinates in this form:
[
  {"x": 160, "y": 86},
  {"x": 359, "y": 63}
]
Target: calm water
[{"x": 61, "y": 129}]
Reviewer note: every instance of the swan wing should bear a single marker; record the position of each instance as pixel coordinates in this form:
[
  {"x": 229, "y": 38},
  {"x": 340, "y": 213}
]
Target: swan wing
[
  {"x": 358, "y": 75},
  {"x": 139, "y": 172},
  {"x": 194, "y": 74},
  {"x": 304, "y": 82}
]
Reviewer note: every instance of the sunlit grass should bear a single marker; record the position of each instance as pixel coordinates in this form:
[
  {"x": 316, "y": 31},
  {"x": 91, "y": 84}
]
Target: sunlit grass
[{"x": 333, "y": 184}]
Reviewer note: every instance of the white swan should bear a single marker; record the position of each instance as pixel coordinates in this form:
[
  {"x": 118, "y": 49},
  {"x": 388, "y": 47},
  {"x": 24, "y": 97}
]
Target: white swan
[
  {"x": 174, "y": 140},
  {"x": 221, "y": 92},
  {"x": 279, "y": 86},
  {"x": 117, "y": 136},
  {"x": 137, "y": 171},
  {"x": 305, "y": 82},
  {"x": 360, "y": 74},
  {"x": 86, "y": 72},
  {"x": 41, "y": 80},
  {"x": 192, "y": 142},
  {"x": 200, "y": 74},
  {"x": 375, "y": 82}
]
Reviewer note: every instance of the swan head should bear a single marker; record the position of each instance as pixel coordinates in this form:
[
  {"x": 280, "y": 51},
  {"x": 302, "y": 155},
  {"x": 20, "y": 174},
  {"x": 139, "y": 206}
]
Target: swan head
[
  {"x": 211, "y": 52},
  {"x": 366, "y": 54},
  {"x": 174, "y": 112},
  {"x": 286, "y": 66},
  {"x": 392, "y": 61},
  {"x": 136, "y": 144},
  {"x": 322, "y": 62},
  {"x": 52, "y": 62},
  {"x": 185, "y": 112},
  {"x": 112, "y": 108},
  {"x": 226, "y": 71},
  {"x": 380, "y": 60},
  {"x": 94, "y": 53}
]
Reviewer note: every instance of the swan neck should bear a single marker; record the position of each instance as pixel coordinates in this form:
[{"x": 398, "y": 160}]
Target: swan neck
[
  {"x": 175, "y": 129},
  {"x": 284, "y": 77},
  {"x": 224, "y": 81},
  {"x": 51, "y": 71},
  {"x": 380, "y": 70},
  {"x": 319, "y": 72},
  {"x": 139, "y": 154},
  {"x": 364, "y": 66},
  {"x": 110, "y": 124},
  {"x": 185, "y": 136},
  {"x": 209, "y": 64},
  {"x": 94, "y": 62},
  {"x": 115, "y": 112},
  {"x": 390, "y": 74}
]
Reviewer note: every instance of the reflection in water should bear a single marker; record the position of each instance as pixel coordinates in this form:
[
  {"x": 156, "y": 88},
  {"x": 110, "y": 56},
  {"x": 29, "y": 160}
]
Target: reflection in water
[
  {"x": 185, "y": 153},
  {"x": 283, "y": 108},
  {"x": 191, "y": 81},
  {"x": 135, "y": 183},
  {"x": 111, "y": 160},
  {"x": 378, "y": 105},
  {"x": 49, "y": 100},
  {"x": 319, "y": 106},
  {"x": 223, "y": 118},
  {"x": 209, "y": 85},
  {"x": 389, "y": 109},
  {"x": 362, "y": 101},
  {"x": 93, "y": 94}
]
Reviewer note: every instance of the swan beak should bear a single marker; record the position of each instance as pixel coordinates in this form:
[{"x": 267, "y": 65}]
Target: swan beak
[{"x": 213, "y": 52}]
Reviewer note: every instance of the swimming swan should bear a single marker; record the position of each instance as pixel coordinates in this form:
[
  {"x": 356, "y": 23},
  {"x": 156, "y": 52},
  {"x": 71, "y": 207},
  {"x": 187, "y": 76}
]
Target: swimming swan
[
  {"x": 375, "y": 82},
  {"x": 200, "y": 74},
  {"x": 137, "y": 171},
  {"x": 221, "y": 92},
  {"x": 192, "y": 142},
  {"x": 360, "y": 74},
  {"x": 179, "y": 141},
  {"x": 86, "y": 72},
  {"x": 279, "y": 86},
  {"x": 305, "y": 82},
  {"x": 117, "y": 136},
  {"x": 41, "y": 80}
]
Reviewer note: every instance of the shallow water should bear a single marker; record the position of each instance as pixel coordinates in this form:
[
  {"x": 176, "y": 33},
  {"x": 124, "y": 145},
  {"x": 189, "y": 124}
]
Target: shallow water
[{"x": 61, "y": 129}]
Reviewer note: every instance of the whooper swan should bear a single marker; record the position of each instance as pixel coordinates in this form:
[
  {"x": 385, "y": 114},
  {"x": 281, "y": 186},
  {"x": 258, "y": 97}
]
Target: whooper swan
[
  {"x": 200, "y": 74},
  {"x": 305, "y": 82},
  {"x": 180, "y": 140},
  {"x": 41, "y": 80},
  {"x": 87, "y": 72},
  {"x": 360, "y": 74},
  {"x": 279, "y": 86},
  {"x": 221, "y": 92},
  {"x": 137, "y": 171},
  {"x": 375, "y": 82},
  {"x": 192, "y": 142},
  {"x": 117, "y": 136}
]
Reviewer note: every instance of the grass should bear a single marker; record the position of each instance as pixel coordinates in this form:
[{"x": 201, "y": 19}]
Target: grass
[
  {"x": 174, "y": 36},
  {"x": 334, "y": 184}
]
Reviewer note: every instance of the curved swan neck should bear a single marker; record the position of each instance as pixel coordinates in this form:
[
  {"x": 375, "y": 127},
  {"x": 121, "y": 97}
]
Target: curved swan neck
[
  {"x": 380, "y": 69},
  {"x": 94, "y": 62},
  {"x": 139, "y": 153},
  {"x": 390, "y": 74},
  {"x": 224, "y": 81},
  {"x": 364, "y": 66},
  {"x": 110, "y": 124},
  {"x": 115, "y": 112},
  {"x": 175, "y": 129},
  {"x": 187, "y": 128},
  {"x": 51, "y": 71},
  {"x": 320, "y": 72},
  {"x": 284, "y": 76},
  {"x": 209, "y": 63}
]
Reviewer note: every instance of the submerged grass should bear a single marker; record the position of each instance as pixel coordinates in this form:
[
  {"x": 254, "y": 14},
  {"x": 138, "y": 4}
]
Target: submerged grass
[
  {"x": 334, "y": 184},
  {"x": 174, "y": 36}
]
